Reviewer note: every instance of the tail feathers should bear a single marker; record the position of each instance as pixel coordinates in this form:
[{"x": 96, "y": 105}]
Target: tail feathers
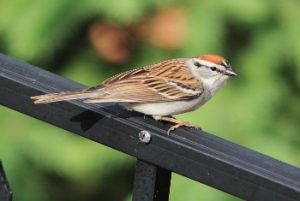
[
  {"x": 108, "y": 100},
  {"x": 63, "y": 96}
]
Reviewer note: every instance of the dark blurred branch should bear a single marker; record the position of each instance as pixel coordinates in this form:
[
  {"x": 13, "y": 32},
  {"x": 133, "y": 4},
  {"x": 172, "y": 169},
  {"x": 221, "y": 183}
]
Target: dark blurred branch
[
  {"x": 191, "y": 153},
  {"x": 5, "y": 193}
]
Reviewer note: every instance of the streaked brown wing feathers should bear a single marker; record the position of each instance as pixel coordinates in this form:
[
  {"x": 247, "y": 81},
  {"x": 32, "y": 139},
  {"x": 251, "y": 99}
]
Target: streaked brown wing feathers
[
  {"x": 166, "y": 81},
  {"x": 126, "y": 75}
]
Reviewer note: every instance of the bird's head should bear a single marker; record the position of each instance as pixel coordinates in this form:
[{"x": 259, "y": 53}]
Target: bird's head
[{"x": 210, "y": 67}]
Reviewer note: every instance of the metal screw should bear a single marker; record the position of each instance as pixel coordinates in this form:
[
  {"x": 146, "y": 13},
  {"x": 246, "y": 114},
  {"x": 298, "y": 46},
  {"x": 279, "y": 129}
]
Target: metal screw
[{"x": 144, "y": 136}]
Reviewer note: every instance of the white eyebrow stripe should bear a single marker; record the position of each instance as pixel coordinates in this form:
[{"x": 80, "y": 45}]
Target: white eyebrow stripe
[{"x": 208, "y": 64}]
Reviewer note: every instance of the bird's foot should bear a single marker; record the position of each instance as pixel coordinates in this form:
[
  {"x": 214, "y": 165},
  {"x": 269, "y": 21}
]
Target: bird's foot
[{"x": 177, "y": 122}]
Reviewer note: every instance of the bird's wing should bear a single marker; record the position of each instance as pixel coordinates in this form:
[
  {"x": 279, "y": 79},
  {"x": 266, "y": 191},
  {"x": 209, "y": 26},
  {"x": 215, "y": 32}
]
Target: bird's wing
[{"x": 166, "y": 81}]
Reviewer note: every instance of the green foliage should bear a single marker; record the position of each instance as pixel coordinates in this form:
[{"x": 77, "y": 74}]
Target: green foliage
[{"x": 258, "y": 109}]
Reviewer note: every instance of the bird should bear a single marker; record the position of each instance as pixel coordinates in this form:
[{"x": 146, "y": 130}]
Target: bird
[{"x": 159, "y": 90}]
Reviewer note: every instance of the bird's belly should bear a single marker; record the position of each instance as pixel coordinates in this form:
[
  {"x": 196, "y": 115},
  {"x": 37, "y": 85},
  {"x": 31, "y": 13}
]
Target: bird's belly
[{"x": 168, "y": 108}]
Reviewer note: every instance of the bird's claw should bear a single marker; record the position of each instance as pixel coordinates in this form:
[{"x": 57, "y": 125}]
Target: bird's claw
[
  {"x": 172, "y": 128},
  {"x": 178, "y": 123}
]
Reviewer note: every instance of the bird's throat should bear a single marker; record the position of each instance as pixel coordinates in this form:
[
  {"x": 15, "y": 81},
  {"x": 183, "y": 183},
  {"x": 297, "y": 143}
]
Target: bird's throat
[{"x": 212, "y": 85}]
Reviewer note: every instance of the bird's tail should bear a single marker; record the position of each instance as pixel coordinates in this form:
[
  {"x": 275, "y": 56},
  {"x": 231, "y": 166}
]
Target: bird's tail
[{"x": 63, "y": 96}]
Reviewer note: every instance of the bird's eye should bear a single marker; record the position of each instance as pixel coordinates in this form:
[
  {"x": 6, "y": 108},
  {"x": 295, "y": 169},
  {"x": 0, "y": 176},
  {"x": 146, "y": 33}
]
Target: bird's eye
[
  {"x": 213, "y": 68},
  {"x": 197, "y": 64}
]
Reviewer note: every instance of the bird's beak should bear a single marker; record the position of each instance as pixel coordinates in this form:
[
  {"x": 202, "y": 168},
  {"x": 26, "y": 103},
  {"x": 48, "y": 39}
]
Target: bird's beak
[{"x": 230, "y": 72}]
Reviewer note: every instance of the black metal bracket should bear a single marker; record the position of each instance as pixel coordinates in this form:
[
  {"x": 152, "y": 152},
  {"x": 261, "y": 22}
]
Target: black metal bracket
[
  {"x": 151, "y": 183},
  {"x": 192, "y": 153},
  {"x": 5, "y": 192}
]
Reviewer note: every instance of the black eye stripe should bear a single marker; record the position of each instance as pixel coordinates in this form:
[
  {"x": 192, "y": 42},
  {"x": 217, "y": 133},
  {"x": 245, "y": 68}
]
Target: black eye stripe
[
  {"x": 213, "y": 68},
  {"x": 197, "y": 64}
]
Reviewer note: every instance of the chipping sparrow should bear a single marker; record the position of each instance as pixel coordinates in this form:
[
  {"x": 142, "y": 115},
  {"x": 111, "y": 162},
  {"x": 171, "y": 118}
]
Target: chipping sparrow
[{"x": 167, "y": 88}]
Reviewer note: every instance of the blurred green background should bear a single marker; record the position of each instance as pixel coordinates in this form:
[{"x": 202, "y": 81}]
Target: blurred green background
[{"x": 90, "y": 40}]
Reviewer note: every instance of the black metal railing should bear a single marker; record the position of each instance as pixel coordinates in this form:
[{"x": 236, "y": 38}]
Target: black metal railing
[{"x": 192, "y": 153}]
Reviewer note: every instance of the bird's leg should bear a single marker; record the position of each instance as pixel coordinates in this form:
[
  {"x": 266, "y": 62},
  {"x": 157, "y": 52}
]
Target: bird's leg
[{"x": 177, "y": 122}]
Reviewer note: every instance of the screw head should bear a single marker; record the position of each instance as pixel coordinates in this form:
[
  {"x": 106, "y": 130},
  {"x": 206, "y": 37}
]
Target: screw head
[{"x": 144, "y": 136}]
